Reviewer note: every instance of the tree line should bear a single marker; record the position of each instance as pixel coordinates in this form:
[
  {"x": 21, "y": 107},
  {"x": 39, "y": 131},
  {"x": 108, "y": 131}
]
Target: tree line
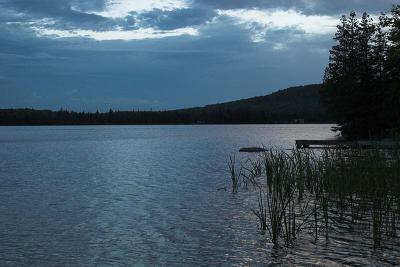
[
  {"x": 192, "y": 116},
  {"x": 361, "y": 86},
  {"x": 296, "y": 104}
]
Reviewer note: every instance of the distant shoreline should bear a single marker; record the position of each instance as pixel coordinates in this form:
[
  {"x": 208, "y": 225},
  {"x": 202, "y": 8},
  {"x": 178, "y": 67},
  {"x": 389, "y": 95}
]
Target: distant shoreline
[
  {"x": 295, "y": 105},
  {"x": 31, "y": 117},
  {"x": 188, "y": 124}
]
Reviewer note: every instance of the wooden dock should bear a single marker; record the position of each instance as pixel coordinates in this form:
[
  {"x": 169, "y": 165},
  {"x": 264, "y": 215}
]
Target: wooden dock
[{"x": 345, "y": 144}]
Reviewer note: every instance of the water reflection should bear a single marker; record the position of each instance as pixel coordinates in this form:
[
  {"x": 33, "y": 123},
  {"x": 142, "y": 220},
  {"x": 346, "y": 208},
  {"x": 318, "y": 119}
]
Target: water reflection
[{"x": 132, "y": 195}]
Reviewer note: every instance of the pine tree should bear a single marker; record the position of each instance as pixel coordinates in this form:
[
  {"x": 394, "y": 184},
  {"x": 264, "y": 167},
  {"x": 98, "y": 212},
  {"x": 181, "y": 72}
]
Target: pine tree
[
  {"x": 361, "y": 86},
  {"x": 339, "y": 87},
  {"x": 393, "y": 68},
  {"x": 364, "y": 99},
  {"x": 365, "y": 54},
  {"x": 380, "y": 45}
]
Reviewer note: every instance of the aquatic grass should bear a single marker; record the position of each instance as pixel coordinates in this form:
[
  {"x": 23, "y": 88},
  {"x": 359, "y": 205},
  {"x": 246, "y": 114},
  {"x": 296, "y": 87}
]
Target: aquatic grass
[
  {"x": 315, "y": 192},
  {"x": 251, "y": 171},
  {"x": 261, "y": 213},
  {"x": 235, "y": 175}
]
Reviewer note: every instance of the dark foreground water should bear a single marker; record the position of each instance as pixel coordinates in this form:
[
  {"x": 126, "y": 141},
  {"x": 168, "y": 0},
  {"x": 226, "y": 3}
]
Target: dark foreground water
[{"x": 145, "y": 196}]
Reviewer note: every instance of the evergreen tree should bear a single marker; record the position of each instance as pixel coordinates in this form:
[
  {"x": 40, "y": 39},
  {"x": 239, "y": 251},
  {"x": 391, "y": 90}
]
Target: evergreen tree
[
  {"x": 380, "y": 50},
  {"x": 367, "y": 99},
  {"x": 364, "y": 49},
  {"x": 361, "y": 84},
  {"x": 339, "y": 88},
  {"x": 393, "y": 69}
]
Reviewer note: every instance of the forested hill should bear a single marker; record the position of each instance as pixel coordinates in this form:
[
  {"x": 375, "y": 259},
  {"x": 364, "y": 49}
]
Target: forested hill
[{"x": 296, "y": 104}]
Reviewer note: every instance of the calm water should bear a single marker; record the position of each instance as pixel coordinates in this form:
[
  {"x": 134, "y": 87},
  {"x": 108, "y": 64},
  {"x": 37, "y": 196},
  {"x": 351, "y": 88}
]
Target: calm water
[{"x": 143, "y": 196}]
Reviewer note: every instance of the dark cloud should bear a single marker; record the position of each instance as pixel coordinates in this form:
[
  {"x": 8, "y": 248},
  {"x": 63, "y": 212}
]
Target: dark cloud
[
  {"x": 178, "y": 18},
  {"x": 52, "y": 7},
  {"x": 238, "y": 4},
  {"x": 78, "y": 14},
  {"x": 72, "y": 14},
  {"x": 307, "y": 6},
  {"x": 67, "y": 14},
  {"x": 344, "y": 7}
]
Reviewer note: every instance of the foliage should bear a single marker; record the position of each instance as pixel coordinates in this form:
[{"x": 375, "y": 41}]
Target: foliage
[
  {"x": 361, "y": 88},
  {"x": 284, "y": 106},
  {"x": 318, "y": 192}
]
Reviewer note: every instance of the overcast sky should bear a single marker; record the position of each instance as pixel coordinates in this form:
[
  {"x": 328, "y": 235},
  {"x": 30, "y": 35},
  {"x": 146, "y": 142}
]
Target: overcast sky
[{"x": 162, "y": 54}]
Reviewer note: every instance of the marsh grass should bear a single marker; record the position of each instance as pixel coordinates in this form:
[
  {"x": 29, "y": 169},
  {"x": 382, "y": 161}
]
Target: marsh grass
[
  {"x": 316, "y": 192},
  {"x": 235, "y": 174}
]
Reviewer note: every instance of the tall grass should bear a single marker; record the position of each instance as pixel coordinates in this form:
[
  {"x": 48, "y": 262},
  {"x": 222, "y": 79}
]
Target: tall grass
[
  {"x": 309, "y": 191},
  {"x": 235, "y": 175}
]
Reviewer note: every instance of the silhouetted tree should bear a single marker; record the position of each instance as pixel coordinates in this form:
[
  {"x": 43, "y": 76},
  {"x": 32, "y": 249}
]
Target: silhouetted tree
[
  {"x": 361, "y": 82},
  {"x": 339, "y": 91},
  {"x": 393, "y": 68}
]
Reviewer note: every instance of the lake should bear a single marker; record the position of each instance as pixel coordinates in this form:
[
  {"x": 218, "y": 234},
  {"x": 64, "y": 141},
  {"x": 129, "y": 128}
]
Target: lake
[{"x": 145, "y": 196}]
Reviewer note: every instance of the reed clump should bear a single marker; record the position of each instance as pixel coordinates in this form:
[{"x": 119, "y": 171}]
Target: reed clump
[{"x": 315, "y": 192}]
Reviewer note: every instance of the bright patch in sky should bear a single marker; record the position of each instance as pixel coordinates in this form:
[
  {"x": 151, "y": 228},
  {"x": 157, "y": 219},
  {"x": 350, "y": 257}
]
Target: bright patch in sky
[
  {"x": 259, "y": 22},
  {"x": 121, "y": 8},
  {"x": 140, "y": 34}
]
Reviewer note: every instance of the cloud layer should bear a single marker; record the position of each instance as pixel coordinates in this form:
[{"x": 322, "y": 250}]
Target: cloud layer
[
  {"x": 137, "y": 19},
  {"x": 86, "y": 55}
]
